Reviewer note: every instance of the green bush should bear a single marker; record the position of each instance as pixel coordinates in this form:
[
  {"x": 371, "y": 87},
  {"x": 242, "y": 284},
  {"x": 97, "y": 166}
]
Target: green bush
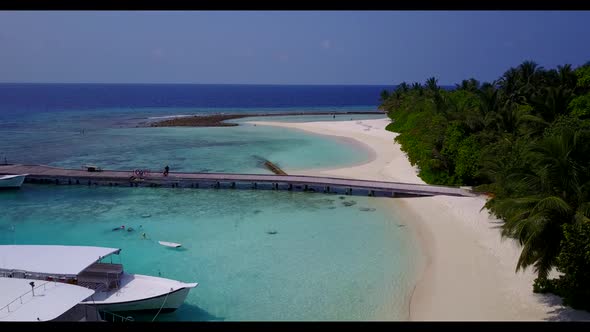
[{"x": 574, "y": 262}]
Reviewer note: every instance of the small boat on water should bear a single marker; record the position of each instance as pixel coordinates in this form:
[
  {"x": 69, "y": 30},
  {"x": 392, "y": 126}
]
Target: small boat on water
[
  {"x": 12, "y": 181},
  {"x": 170, "y": 244},
  {"x": 114, "y": 289}
]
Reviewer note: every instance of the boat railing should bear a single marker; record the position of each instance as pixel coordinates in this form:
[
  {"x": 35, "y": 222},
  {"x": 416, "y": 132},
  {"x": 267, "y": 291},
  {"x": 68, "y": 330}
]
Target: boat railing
[
  {"x": 111, "y": 280},
  {"x": 108, "y": 274},
  {"x": 7, "y": 306},
  {"x": 22, "y": 274},
  {"x": 104, "y": 281}
]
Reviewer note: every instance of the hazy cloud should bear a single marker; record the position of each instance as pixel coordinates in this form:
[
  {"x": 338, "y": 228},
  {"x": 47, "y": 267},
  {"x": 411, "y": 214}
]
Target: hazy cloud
[
  {"x": 283, "y": 57},
  {"x": 326, "y": 44},
  {"x": 247, "y": 53},
  {"x": 157, "y": 53}
]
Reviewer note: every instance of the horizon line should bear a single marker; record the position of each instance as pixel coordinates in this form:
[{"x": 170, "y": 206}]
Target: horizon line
[{"x": 249, "y": 84}]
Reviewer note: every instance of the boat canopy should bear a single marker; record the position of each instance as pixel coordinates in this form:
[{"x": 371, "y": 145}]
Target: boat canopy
[
  {"x": 51, "y": 299},
  {"x": 51, "y": 259}
]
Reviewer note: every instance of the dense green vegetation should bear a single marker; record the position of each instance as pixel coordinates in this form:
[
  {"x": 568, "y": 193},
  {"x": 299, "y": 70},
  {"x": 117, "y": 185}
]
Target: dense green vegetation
[{"x": 524, "y": 139}]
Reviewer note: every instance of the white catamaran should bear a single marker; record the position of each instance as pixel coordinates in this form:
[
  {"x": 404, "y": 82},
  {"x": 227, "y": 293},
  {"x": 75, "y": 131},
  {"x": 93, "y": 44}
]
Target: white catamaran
[{"x": 114, "y": 289}]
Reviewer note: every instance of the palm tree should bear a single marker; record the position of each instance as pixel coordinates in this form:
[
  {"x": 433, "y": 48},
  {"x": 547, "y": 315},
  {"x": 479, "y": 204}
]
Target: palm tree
[
  {"x": 509, "y": 118},
  {"x": 462, "y": 86},
  {"x": 527, "y": 71},
  {"x": 384, "y": 95},
  {"x": 418, "y": 87},
  {"x": 403, "y": 87},
  {"x": 567, "y": 77},
  {"x": 551, "y": 102},
  {"x": 384, "y": 100},
  {"x": 499, "y": 161},
  {"x": 471, "y": 85},
  {"x": 489, "y": 104},
  {"x": 431, "y": 84},
  {"x": 510, "y": 84},
  {"x": 439, "y": 100},
  {"x": 531, "y": 77},
  {"x": 553, "y": 193}
]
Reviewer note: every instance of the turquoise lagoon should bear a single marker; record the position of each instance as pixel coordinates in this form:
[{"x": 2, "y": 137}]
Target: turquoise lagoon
[{"x": 327, "y": 261}]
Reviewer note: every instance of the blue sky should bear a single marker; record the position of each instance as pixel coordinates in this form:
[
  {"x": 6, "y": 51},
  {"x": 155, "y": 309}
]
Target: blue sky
[{"x": 299, "y": 47}]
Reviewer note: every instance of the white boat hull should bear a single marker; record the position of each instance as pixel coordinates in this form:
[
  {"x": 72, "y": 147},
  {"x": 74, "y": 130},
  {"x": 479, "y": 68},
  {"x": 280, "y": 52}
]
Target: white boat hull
[
  {"x": 12, "y": 181},
  {"x": 170, "y": 244},
  {"x": 140, "y": 292},
  {"x": 168, "y": 302}
]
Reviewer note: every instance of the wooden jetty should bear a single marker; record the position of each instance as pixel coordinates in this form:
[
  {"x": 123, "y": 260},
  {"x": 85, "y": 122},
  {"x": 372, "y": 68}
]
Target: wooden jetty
[
  {"x": 274, "y": 168},
  {"x": 42, "y": 174}
]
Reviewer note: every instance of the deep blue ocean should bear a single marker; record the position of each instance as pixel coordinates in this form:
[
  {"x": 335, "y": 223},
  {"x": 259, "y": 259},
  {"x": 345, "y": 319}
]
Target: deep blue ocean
[{"x": 51, "y": 97}]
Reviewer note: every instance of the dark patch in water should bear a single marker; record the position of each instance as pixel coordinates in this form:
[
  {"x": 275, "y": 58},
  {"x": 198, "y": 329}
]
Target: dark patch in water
[
  {"x": 325, "y": 201},
  {"x": 331, "y": 207},
  {"x": 147, "y": 215},
  {"x": 342, "y": 197},
  {"x": 365, "y": 209},
  {"x": 257, "y": 211},
  {"x": 272, "y": 232},
  {"x": 9, "y": 228},
  {"x": 349, "y": 203},
  {"x": 401, "y": 225}
]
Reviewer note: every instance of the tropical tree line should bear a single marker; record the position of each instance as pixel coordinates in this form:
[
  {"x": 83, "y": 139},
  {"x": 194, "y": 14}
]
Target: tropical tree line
[{"x": 525, "y": 140}]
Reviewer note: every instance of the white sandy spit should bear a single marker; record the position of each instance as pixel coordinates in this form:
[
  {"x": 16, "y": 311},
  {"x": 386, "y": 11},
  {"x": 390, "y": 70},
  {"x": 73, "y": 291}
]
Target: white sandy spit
[{"x": 469, "y": 272}]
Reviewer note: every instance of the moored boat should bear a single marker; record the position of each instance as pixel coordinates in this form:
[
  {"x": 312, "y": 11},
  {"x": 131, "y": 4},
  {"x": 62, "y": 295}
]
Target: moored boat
[
  {"x": 114, "y": 289},
  {"x": 12, "y": 181}
]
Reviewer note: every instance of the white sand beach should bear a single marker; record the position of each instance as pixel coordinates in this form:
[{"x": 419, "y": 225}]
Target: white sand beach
[{"x": 470, "y": 269}]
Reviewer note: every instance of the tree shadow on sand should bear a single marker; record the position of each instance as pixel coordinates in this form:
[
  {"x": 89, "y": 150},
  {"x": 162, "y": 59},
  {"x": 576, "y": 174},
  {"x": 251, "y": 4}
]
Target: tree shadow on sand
[
  {"x": 560, "y": 313},
  {"x": 496, "y": 225}
]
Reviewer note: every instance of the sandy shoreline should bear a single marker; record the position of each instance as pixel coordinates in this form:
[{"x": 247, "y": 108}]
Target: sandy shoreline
[{"x": 469, "y": 269}]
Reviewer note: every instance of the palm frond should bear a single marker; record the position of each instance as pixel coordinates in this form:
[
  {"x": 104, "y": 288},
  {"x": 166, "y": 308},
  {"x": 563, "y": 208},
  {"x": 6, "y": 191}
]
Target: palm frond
[{"x": 552, "y": 204}]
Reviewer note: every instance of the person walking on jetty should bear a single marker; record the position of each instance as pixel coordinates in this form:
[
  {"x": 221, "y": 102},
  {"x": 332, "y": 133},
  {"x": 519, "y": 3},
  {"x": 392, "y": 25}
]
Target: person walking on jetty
[{"x": 166, "y": 170}]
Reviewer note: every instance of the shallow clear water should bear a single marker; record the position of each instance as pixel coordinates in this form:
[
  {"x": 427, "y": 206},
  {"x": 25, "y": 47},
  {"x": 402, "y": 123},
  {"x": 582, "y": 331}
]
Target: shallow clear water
[
  {"x": 111, "y": 140},
  {"x": 326, "y": 262}
]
